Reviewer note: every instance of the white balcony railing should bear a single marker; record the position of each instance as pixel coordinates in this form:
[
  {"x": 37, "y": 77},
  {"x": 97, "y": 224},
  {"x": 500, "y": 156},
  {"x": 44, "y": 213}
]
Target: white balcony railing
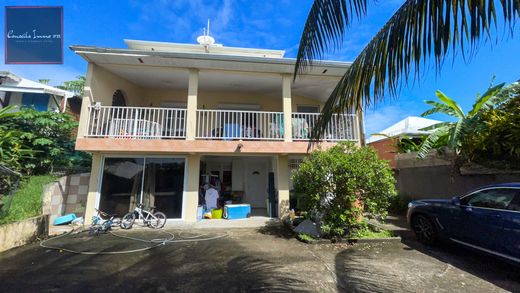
[
  {"x": 246, "y": 125},
  {"x": 158, "y": 123},
  {"x": 340, "y": 127},
  {"x": 136, "y": 122}
]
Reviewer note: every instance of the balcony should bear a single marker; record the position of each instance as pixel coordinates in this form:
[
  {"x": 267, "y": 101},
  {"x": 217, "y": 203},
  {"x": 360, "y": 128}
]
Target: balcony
[{"x": 169, "y": 123}]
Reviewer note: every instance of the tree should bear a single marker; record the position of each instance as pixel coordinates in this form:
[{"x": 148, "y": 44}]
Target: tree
[
  {"x": 450, "y": 133},
  {"x": 419, "y": 30},
  {"x": 338, "y": 184},
  {"x": 75, "y": 86}
]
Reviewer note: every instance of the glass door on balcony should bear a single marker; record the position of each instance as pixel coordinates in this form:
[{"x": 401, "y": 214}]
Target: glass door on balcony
[{"x": 153, "y": 181}]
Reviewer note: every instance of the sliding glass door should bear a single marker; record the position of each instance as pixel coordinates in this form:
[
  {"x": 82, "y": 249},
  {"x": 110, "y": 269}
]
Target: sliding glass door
[
  {"x": 163, "y": 185},
  {"x": 154, "y": 181}
]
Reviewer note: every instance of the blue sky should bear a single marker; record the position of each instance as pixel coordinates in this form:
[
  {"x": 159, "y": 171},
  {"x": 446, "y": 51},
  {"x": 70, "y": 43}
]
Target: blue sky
[{"x": 270, "y": 25}]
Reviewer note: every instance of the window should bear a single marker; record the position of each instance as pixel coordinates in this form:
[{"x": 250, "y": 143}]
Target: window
[
  {"x": 498, "y": 198},
  {"x": 39, "y": 102},
  {"x": 514, "y": 205}
]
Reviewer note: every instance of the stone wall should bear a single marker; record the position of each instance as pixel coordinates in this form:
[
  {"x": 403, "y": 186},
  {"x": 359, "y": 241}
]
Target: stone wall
[
  {"x": 437, "y": 176},
  {"x": 68, "y": 194},
  {"x": 23, "y": 232}
]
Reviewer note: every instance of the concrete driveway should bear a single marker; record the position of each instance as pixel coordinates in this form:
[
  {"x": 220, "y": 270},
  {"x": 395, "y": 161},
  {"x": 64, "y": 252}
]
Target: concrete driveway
[{"x": 249, "y": 260}]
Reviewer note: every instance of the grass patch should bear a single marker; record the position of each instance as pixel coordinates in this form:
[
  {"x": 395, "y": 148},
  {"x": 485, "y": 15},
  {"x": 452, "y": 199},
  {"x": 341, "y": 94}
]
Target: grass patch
[
  {"x": 305, "y": 237},
  {"x": 27, "y": 201},
  {"x": 371, "y": 233}
]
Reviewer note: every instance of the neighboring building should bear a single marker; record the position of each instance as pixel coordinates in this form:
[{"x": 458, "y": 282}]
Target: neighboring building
[
  {"x": 15, "y": 90},
  {"x": 410, "y": 126},
  {"x": 162, "y": 118}
]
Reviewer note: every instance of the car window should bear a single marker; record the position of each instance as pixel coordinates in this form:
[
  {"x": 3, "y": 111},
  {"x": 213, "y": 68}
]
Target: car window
[
  {"x": 499, "y": 198},
  {"x": 514, "y": 205}
]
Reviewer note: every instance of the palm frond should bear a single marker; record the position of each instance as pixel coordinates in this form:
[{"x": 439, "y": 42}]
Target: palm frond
[
  {"x": 450, "y": 103},
  {"x": 420, "y": 30},
  {"x": 326, "y": 24},
  {"x": 436, "y": 126},
  {"x": 438, "y": 108},
  {"x": 486, "y": 100},
  {"x": 430, "y": 141}
]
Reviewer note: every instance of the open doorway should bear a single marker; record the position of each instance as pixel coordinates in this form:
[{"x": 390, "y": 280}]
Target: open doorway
[{"x": 240, "y": 180}]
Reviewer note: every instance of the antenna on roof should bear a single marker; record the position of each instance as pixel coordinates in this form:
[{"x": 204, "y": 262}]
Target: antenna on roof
[{"x": 206, "y": 40}]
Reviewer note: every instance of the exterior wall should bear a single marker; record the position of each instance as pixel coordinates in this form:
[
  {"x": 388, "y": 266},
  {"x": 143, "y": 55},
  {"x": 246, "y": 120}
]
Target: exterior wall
[
  {"x": 93, "y": 187},
  {"x": 386, "y": 150},
  {"x": 211, "y": 100},
  {"x": 282, "y": 184},
  {"x": 439, "y": 177},
  {"x": 103, "y": 84},
  {"x": 191, "y": 185},
  {"x": 191, "y": 198},
  {"x": 168, "y": 146}
]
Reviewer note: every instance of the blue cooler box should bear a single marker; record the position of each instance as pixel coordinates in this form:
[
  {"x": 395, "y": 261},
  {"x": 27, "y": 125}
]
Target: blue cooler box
[{"x": 237, "y": 211}]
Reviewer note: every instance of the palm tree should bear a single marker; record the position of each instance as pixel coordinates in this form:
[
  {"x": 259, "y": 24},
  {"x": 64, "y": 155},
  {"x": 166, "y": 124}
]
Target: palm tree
[
  {"x": 450, "y": 133},
  {"x": 419, "y": 30}
]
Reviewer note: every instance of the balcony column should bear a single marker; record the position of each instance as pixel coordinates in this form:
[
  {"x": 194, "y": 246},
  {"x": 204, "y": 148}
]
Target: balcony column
[
  {"x": 282, "y": 180},
  {"x": 191, "y": 109},
  {"x": 287, "y": 107}
]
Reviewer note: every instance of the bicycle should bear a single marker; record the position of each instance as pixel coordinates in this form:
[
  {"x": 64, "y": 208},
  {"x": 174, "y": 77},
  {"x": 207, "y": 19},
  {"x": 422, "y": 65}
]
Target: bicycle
[
  {"x": 100, "y": 225},
  {"x": 155, "y": 220}
]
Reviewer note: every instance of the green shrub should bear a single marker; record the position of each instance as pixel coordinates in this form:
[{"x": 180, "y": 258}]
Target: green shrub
[
  {"x": 494, "y": 136},
  {"x": 26, "y": 202},
  {"x": 38, "y": 141},
  {"x": 338, "y": 184}
]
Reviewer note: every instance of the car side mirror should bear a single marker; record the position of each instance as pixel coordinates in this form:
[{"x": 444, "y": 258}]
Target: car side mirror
[{"x": 455, "y": 201}]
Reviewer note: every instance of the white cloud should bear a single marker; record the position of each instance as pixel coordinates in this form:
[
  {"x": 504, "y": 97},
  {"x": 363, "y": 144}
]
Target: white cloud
[{"x": 383, "y": 116}]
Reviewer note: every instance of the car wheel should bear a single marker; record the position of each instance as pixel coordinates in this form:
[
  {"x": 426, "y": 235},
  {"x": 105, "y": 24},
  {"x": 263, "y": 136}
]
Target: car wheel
[{"x": 424, "y": 229}]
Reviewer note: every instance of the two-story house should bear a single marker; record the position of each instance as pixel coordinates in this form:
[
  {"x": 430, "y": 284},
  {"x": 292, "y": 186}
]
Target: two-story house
[{"x": 161, "y": 119}]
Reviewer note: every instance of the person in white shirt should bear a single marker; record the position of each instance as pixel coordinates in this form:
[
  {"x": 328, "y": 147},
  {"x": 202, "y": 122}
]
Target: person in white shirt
[{"x": 211, "y": 197}]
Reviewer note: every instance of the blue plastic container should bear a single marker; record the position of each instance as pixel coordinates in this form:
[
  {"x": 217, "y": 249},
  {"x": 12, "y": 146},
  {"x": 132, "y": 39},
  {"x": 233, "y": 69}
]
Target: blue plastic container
[
  {"x": 237, "y": 211},
  {"x": 64, "y": 219},
  {"x": 200, "y": 213},
  {"x": 232, "y": 131}
]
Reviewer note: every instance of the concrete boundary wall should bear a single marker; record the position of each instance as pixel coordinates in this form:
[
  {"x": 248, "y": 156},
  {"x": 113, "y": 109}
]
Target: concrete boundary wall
[
  {"x": 23, "y": 232},
  {"x": 67, "y": 194},
  {"x": 437, "y": 176}
]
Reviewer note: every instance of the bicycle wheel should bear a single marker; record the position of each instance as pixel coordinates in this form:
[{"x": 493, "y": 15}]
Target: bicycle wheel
[
  {"x": 158, "y": 221},
  {"x": 127, "y": 221},
  {"x": 116, "y": 222}
]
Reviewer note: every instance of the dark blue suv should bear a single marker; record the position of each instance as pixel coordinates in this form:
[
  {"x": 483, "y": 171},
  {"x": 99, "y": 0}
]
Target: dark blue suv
[{"x": 486, "y": 219}]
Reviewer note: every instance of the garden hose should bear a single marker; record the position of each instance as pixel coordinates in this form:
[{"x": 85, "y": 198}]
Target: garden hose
[{"x": 156, "y": 242}]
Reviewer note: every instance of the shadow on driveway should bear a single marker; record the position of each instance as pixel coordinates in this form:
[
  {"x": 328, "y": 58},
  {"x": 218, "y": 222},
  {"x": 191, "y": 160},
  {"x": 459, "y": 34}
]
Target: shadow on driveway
[{"x": 410, "y": 266}]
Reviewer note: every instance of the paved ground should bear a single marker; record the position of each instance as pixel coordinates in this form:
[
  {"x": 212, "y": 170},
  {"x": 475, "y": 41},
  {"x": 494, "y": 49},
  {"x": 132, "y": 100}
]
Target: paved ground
[{"x": 252, "y": 259}]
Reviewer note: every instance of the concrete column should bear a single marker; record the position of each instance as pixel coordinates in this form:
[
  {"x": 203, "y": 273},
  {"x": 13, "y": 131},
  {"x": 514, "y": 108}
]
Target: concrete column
[
  {"x": 85, "y": 103},
  {"x": 93, "y": 187},
  {"x": 282, "y": 176},
  {"x": 287, "y": 107},
  {"x": 191, "y": 114},
  {"x": 192, "y": 188}
]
